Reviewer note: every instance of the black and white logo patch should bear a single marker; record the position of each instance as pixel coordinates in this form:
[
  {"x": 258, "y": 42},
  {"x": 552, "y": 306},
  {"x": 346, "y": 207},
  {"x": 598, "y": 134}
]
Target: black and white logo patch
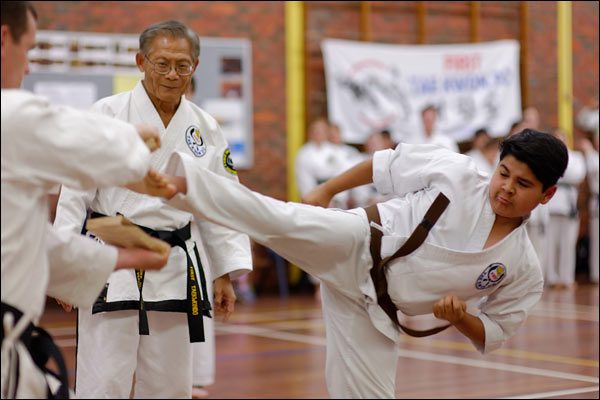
[
  {"x": 228, "y": 162},
  {"x": 491, "y": 276},
  {"x": 194, "y": 140}
]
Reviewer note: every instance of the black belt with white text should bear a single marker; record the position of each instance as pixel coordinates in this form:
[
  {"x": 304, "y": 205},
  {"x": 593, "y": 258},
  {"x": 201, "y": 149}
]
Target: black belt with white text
[{"x": 196, "y": 305}]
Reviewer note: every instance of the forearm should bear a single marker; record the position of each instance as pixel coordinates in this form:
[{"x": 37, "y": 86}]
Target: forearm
[
  {"x": 360, "y": 174},
  {"x": 473, "y": 328}
]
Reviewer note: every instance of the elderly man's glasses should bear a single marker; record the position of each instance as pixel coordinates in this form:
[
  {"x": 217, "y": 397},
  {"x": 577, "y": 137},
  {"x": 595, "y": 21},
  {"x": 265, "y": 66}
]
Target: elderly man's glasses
[{"x": 163, "y": 68}]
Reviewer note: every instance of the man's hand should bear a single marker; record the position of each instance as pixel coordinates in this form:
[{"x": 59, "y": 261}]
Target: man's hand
[
  {"x": 149, "y": 135},
  {"x": 154, "y": 184},
  {"x": 450, "y": 308},
  {"x": 319, "y": 196},
  {"x": 137, "y": 258},
  {"x": 224, "y": 296}
]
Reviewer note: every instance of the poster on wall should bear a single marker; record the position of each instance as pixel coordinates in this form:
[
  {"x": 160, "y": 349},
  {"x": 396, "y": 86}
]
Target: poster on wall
[{"x": 373, "y": 86}]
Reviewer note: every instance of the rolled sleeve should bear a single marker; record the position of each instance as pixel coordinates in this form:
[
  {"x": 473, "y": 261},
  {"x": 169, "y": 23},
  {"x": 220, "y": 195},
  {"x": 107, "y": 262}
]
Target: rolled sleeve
[
  {"x": 382, "y": 177},
  {"x": 494, "y": 336}
]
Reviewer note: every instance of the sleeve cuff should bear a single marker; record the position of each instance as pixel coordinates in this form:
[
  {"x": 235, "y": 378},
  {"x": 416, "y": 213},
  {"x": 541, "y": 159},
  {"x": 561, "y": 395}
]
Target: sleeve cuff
[
  {"x": 382, "y": 179},
  {"x": 494, "y": 336}
]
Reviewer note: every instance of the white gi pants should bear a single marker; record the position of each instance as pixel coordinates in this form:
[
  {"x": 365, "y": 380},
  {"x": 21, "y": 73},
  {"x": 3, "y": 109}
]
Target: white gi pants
[
  {"x": 110, "y": 351},
  {"x": 361, "y": 361},
  {"x": 203, "y": 356},
  {"x": 561, "y": 250}
]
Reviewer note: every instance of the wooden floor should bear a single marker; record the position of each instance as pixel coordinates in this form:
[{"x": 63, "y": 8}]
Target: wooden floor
[{"x": 275, "y": 348}]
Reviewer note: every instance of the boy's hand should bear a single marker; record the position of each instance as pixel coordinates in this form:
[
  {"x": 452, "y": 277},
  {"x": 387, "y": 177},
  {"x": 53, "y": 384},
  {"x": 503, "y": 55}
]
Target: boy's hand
[{"x": 450, "y": 308}]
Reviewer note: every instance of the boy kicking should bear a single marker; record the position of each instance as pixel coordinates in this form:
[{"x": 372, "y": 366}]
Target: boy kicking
[{"x": 451, "y": 236}]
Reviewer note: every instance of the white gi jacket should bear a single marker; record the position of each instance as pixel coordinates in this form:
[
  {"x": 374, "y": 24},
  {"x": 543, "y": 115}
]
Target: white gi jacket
[
  {"x": 334, "y": 246},
  {"x": 196, "y": 133},
  {"x": 451, "y": 260},
  {"x": 39, "y": 150},
  {"x": 45, "y": 145}
]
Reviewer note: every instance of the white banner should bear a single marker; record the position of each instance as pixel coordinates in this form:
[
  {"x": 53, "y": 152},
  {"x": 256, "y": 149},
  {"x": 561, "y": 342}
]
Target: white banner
[{"x": 373, "y": 86}]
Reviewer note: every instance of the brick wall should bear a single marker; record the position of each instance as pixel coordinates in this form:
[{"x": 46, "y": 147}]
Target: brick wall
[
  {"x": 449, "y": 22},
  {"x": 391, "y": 22},
  {"x": 261, "y": 22}
]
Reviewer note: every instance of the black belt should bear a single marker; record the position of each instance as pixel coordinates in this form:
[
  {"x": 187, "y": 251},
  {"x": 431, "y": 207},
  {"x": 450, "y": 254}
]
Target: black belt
[
  {"x": 412, "y": 243},
  {"x": 195, "y": 307},
  {"x": 42, "y": 349}
]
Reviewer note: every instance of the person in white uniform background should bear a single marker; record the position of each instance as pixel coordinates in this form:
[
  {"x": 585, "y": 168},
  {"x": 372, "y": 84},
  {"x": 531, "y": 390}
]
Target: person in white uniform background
[
  {"x": 483, "y": 151},
  {"x": 367, "y": 195},
  {"x": 563, "y": 226},
  {"x": 429, "y": 133},
  {"x": 590, "y": 150},
  {"x": 145, "y": 323},
  {"x": 319, "y": 159},
  {"x": 587, "y": 119},
  {"x": 477, "y": 252},
  {"x": 42, "y": 147}
]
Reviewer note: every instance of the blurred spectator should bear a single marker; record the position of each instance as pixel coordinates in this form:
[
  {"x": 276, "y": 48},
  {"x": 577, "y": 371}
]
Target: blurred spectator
[
  {"x": 429, "y": 133},
  {"x": 367, "y": 195},
  {"x": 484, "y": 151},
  {"x": 587, "y": 118},
  {"x": 563, "y": 228},
  {"x": 590, "y": 151},
  {"x": 351, "y": 154},
  {"x": 531, "y": 118},
  {"x": 318, "y": 160}
]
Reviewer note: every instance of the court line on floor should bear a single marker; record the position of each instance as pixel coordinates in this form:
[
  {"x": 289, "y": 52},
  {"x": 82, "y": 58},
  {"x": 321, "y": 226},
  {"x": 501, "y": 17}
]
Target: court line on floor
[
  {"x": 320, "y": 341},
  {"x": 317, "y": 324},
  {"x": 555, "y": 393}
]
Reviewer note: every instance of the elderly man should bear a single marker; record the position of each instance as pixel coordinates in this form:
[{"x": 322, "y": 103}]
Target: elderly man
[
  {"x": 42, "y": 146},
  {"x": 145, "y": 323}
]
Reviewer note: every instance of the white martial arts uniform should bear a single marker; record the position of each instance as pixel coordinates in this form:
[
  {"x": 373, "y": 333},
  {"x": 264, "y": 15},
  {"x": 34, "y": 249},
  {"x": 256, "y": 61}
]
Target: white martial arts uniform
[
  {"x": 334, "y": 245},
  {"x": 563, "y": 227},
  {"x": 437, "y": 138},
  {"x": 162, "y": 360},
  {"x": 316, "y": 163},
  {"x": 481, "y": 162},
  {"x": 42, "y": 146},
  {"x": 592, "y": 162},
  {"x": 204, "y": 356}
]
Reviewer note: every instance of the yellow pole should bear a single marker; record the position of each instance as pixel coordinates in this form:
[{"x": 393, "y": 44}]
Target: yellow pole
[
  {"x": 294, "y": 53},
  {"x": 295, "y": 101},
  {"x": 565, "y": 69}
]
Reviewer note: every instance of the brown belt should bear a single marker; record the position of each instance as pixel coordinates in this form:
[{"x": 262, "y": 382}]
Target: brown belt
[{"x": 412, "y": 243}]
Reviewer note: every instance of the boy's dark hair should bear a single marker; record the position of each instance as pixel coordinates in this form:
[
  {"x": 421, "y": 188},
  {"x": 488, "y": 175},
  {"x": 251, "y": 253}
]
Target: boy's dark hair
[
  {"x": 14, "y": 14},
  {"x": 546, "y": 156}
]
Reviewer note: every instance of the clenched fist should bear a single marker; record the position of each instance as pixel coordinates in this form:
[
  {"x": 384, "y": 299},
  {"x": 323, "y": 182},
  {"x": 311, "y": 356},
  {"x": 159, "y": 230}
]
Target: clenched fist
[{"x": 450, "y": 308}]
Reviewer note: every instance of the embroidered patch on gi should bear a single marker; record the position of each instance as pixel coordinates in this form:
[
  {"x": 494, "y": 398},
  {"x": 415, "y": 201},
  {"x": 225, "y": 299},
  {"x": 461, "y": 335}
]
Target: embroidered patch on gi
[
  {"x": 228, "y": 162},
  {"x": 194, "y": 140},
  {"x": 491, "y": 276}
]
